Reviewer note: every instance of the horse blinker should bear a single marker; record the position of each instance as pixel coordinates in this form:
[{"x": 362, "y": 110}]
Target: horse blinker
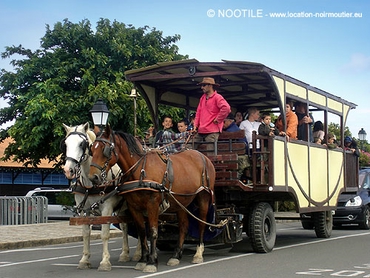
[{"x": 107, "y": 151}]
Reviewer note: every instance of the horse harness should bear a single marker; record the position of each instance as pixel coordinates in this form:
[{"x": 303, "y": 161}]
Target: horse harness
[
  {"x": 107, "y": 152},
  {"x": 77, "y": 185},
  {"x": 104, "y": 191},
  {"x": 127, "y": 186},
  {"x": 168, "y": 177}
]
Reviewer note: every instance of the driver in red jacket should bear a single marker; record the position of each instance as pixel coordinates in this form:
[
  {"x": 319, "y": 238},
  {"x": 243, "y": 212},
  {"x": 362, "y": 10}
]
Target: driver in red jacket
[{"x": 211, "y": 112}]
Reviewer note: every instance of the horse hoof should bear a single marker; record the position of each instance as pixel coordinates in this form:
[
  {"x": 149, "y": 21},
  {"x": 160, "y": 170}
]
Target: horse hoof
[
  {"x": 105, "y": 267},
  {"x": 140, "y": 266},
  {"x": 136, "y": 258},
  {"x": 84, "y": 266},
  {"x": 150, "y": 269},
  {"x": 124, "y": 258},
  {"x": 173, "y": 262},
  {"x": 197, "y": 260}
]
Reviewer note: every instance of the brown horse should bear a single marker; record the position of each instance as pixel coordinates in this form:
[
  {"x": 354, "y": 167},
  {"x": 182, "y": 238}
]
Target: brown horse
[{"x": 153, "y": 179}]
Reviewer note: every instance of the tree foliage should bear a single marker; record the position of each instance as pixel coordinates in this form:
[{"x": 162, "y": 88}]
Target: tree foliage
[
  {"x": 335, "y": 129},
  {"x": 364, "y": 159},
  {"x": 74, "y": 66}
]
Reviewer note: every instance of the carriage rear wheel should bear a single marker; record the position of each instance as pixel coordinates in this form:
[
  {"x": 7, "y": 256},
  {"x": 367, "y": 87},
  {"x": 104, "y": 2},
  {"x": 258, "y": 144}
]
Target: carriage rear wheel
[
  {"x": 262, "y": 228},
  {"x": 323, "y": 222}
]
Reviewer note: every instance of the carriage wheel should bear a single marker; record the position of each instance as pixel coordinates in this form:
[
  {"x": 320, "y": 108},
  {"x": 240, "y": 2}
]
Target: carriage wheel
[
  {"x": 323, "y": 222},
  {"x": 262, "y": 228}
]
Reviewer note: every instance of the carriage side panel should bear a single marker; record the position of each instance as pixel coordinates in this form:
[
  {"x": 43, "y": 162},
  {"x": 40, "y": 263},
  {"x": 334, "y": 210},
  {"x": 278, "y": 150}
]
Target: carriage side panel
[
  {"x": 279, "y": 163},
  {"x": 298, "y": 171},
  {"x": 320, "y": 187}
]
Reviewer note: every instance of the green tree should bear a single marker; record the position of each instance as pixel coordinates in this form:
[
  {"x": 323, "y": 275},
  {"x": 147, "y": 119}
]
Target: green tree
[
  {"x": 335, "y": 129},
  {"x": 60, "y": 82}
]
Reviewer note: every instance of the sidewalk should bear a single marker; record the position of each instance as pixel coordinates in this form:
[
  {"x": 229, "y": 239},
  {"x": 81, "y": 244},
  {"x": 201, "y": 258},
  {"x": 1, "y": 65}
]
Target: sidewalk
[{"x": 31, "y": 235}]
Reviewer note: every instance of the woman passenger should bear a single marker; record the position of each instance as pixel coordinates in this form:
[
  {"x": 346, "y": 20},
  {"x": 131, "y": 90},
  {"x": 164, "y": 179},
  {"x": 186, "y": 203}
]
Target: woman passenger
[
  {"x": 291, "y": 122},
  {"x": 318, "y": 131}
]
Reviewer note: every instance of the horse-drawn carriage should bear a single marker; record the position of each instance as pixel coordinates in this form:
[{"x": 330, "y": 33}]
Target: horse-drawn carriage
[{"x": 307, "y": 174}]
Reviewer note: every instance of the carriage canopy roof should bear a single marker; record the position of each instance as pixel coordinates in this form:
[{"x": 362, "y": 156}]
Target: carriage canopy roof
[{"x": 243, "y": 84}]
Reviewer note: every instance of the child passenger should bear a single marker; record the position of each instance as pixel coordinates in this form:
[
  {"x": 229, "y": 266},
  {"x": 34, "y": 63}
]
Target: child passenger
[
  {"x": 331, "y": 141},
  {"x": 268, "y": 129},
  {"x": 167, "y": 126}
]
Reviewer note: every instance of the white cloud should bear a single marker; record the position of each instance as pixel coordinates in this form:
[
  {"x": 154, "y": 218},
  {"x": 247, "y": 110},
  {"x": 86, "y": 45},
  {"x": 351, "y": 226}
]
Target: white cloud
[{"x": 359, "y": 62}]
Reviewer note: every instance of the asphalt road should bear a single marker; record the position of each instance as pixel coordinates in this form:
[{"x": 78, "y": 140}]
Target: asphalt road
[{"x": 297, "y": 253}]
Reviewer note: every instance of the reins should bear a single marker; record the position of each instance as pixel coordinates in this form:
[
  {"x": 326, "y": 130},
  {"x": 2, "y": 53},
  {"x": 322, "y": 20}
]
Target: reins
[{"x": 220, "y": 225}]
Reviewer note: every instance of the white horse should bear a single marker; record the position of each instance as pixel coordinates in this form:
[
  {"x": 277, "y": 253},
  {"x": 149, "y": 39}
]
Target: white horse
[{"x": 76, "y": 146}]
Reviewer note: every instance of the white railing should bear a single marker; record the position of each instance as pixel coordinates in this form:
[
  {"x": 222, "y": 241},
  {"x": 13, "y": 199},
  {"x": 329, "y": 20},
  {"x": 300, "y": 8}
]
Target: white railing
[{"x": 16, "y": 210}]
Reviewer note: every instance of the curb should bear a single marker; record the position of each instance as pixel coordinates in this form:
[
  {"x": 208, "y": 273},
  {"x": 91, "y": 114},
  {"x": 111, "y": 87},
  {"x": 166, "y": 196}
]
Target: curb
[{"x": 48, "y": 241}]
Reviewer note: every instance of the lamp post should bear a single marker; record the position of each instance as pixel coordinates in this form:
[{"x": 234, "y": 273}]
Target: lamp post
[
  {"x": 134, "y": 96},
  {"x": 362, "y": 137},
  {"x": 100, "y": 113}
]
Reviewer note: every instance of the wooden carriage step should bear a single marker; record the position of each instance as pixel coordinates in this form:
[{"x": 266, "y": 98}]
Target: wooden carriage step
[{"x": 94, "y": 220}]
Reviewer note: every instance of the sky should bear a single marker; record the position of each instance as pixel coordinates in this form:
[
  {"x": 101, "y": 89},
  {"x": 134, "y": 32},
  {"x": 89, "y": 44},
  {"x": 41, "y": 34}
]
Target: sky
[{"x": 325, "y": 43}]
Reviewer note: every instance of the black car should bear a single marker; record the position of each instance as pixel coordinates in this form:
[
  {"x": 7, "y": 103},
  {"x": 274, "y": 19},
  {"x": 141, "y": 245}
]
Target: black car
[{"x": 353, "y": 208}]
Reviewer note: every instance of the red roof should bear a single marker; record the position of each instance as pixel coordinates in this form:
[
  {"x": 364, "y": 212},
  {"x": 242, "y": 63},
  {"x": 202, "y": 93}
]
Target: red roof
[{"x": 10, "y": 163}]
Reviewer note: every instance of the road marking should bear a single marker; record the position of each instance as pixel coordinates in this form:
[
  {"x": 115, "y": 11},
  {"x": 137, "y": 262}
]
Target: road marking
[
  {"x": 184, "y": 267},
  {"x": 50, "y": 248},
  {"x": 248, "y": 254},
  {"x": 321, "y": 240},
  {"x": 39, "y": 260},
  {"x": 42, "y": 249}
]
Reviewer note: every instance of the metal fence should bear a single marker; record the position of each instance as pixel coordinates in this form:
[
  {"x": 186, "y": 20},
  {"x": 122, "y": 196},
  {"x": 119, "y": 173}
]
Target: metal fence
[{"x": 23, "y": 210}]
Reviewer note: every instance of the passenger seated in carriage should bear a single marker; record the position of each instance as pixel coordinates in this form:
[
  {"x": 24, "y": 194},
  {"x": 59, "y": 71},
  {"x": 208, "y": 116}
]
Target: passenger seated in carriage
[
  {"x": 167, "y": 126},
  {"x": 251, "y": 124},
  {"x": 243, "y": 160},
  {"x": 168, "y": 141},
  {"x": 149, "y": 136},
  {"x": 231, "y": 126},
  {"x": 331, "y": 144},
  {"x": 267, "y": 128},
  {"x": 291, "y": 122}
]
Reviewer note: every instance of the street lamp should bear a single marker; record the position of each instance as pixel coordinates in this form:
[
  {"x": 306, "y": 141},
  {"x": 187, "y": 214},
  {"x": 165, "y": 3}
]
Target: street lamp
[
  {"x": 362, "y": 137},
  {"x": 100, "y": 113},
  {"x": 134, "y": 96}
]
